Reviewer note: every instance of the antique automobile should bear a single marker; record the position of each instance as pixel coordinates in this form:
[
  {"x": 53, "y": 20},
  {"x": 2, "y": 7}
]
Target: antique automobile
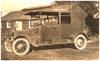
[{"x": 49, "y": 25}]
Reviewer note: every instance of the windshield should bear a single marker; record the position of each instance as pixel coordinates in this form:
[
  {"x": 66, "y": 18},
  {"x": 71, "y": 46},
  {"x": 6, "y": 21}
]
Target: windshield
[{"x": 34, "y": 23}]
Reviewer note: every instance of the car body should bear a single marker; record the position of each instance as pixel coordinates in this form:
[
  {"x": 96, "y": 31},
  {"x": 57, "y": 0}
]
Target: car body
[{"x": 56, "y": 24}]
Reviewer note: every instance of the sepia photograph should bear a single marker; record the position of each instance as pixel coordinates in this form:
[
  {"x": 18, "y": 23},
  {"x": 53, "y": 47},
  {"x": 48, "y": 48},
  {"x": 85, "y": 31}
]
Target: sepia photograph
[{"x": 49, "y": 30}]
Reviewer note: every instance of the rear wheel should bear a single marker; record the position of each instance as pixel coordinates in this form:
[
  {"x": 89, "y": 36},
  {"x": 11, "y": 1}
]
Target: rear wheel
[
  {"x": 21, "y": 46},
  {"x": 80, "y": 42}
]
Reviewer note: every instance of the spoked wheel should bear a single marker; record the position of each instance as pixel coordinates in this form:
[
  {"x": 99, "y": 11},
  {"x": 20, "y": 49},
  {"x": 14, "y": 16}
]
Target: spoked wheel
[
  {"x": 21, "y": 46},
  {"x": 8, "y": 46},
  {"x": 80, "y": 42}
]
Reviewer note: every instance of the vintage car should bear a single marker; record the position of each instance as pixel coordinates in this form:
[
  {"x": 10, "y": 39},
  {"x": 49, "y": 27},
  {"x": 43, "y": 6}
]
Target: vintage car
[{"x": 48, "y": 25}]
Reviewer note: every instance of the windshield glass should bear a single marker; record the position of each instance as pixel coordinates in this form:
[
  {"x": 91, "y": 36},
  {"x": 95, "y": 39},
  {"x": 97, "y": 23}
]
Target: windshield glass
[{"x": 34, "y": 23}]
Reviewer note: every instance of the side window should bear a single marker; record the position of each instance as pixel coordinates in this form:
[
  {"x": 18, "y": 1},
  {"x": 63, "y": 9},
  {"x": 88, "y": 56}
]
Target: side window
[
  {"x": 65, "y": 18},
  {"x": 1, "y": 25},
  {"x": 8, "y": 24},
  {"x": 29, "y": 24},
  {"x": 18, "y": 25},
  {"x": 51, "y": 20}
]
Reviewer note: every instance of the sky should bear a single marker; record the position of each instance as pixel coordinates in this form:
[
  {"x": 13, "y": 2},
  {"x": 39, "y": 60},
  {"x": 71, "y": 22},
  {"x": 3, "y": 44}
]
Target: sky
[{"x": 15, "y": 5}]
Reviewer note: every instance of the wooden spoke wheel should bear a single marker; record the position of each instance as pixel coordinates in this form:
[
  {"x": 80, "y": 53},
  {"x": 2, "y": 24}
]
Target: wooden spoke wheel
[
  {"x": 8, "y": 46},
  {"x": 21, "y": 46},
  {"x": 80, "y": 42}
]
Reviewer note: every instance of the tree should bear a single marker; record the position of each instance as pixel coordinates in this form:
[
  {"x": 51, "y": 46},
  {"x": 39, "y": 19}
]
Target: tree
[{"x": 91, "y": 7}]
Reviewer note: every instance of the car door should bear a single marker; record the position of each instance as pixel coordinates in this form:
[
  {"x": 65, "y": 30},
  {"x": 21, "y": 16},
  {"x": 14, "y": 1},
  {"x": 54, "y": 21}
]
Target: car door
[{"x": 66, "y": 26}]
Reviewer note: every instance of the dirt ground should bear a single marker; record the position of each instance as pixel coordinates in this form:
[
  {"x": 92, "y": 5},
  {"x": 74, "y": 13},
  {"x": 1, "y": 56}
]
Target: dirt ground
[{"x": 56, "y": 52}]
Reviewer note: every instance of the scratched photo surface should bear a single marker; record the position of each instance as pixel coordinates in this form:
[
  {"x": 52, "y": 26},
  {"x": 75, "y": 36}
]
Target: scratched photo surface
[{"x": 49, "y": 30}]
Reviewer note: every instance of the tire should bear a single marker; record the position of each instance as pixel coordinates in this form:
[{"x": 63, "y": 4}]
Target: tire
[
  {"x": 80, "y": 42},
  {"x": 8, "y": 46},
  {"x": 21, "y": 46}
]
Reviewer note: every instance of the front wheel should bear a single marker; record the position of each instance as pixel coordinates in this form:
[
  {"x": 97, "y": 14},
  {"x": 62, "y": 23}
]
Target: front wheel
[
  {"x": 80, "y": 42},
  {"x": 8, "y": 45},
  {"x": 21, "y": 46}
]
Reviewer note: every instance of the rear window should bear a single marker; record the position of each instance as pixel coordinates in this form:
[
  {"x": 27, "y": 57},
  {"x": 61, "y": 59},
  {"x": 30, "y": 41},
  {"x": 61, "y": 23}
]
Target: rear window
[
  {"x": 18, "y": 25},
  {"x": 8, "y": 24}
]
